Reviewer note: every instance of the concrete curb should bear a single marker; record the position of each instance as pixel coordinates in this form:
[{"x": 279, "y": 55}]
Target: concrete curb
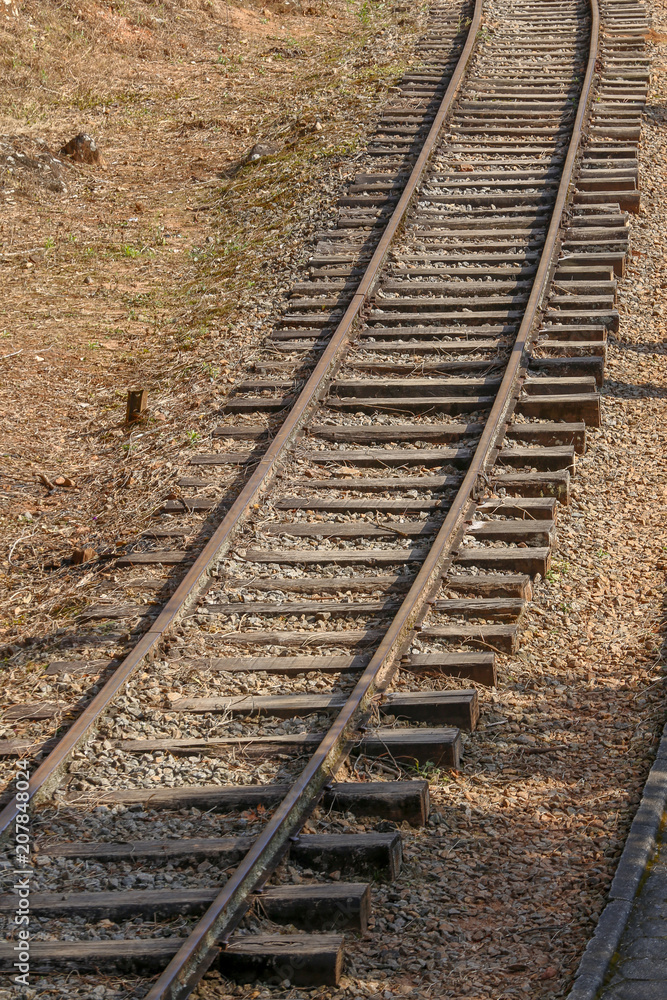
[{"x": 639, "y": 849}]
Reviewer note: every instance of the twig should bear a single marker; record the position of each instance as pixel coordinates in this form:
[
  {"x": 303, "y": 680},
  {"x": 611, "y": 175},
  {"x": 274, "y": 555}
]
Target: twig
[
  {"x": 21, "y": 253},
  {"x": 18, "y": 540},
  {"x": 12, "y": 355},
  {"x": 46, "y": 482}
]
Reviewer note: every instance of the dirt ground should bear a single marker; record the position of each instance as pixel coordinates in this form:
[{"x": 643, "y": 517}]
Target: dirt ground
[{"x": 106, "y": 287}]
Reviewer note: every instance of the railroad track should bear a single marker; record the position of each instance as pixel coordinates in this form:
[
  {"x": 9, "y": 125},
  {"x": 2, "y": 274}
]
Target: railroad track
[{"x": 405, "y": 438}]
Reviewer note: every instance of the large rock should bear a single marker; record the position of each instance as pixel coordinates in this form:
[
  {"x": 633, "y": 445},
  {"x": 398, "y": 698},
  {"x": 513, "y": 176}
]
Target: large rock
[
  {"x": 263, "y": 149},
  {"x": 82, "y": 149}
]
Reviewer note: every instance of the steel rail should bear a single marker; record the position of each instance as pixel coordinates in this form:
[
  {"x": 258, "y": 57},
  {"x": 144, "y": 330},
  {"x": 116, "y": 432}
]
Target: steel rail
[{"x": 202, "y": 946}]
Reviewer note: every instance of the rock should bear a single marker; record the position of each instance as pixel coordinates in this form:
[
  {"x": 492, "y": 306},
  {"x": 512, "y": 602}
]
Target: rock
[
  {"x": 82, "y": 149},
  {"x": 262, "y": 149}
]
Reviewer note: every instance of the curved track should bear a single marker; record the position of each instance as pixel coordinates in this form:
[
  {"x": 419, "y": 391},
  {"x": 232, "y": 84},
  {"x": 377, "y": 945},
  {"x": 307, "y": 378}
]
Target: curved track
[{"x": 452, "y": 329}]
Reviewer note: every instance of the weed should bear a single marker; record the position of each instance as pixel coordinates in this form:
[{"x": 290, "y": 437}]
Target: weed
[
  {"x": 427, "y": 770},
  {"x": 559, "y": 567}
]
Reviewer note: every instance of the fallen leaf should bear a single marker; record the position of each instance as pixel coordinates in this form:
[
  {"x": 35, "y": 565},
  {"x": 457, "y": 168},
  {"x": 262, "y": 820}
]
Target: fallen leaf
[{"x": 549, "y": 973}]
